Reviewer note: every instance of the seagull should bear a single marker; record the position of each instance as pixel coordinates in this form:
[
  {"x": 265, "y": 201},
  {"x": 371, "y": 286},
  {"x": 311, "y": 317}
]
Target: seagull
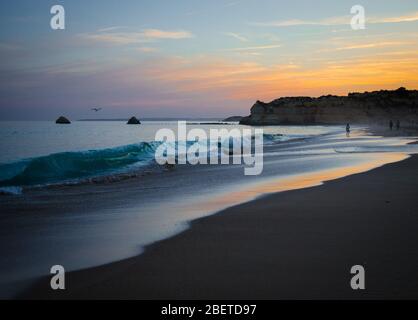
[{"x": 96, "y": 109}]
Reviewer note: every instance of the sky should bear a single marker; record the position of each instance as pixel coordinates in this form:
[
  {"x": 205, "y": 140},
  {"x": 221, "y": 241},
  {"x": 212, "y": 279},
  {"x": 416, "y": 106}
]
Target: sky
[{"x": 188, "y": 58}]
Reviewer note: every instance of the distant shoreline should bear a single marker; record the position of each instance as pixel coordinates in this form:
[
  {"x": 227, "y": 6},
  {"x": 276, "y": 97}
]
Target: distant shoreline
[
  {"x": 118, "y": 119},
  {"x": 156, "y": 119}
]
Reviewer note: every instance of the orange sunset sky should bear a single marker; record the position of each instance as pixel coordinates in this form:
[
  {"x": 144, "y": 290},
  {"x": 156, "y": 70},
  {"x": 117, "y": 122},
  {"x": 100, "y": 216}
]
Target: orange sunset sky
[{"x": 197, "y": 59}]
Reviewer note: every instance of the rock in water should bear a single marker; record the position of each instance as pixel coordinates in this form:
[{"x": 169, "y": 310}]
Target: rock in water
[
  {"x": 62, "y": 120},
  {"x": 133, "y": 120}
]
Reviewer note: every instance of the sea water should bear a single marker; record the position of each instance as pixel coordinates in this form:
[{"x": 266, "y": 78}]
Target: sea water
[
  {"x": 43, "y": 153},
  {"x": 150, "y": 208}
]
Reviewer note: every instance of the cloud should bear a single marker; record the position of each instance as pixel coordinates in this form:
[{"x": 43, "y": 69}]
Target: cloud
[
  {"x": 110, "y": 29},
  {"x": 144, "y": 36},
  {"x": 255, "y": 48},
  {"x": 336, "y": 21},
  {"x": 249, "y": 81},
  {"x": 236, "y": 36},
  {"x": 405, "y": 18},
  {"x": 161, "y": 34},
  {"x": 160, "y": 85},
  {"x": 368, "y": 46},
  {"x": 373, "y": 45},
  {"x": 113, "y": 38},
  {"x": 296, "y": 22}
]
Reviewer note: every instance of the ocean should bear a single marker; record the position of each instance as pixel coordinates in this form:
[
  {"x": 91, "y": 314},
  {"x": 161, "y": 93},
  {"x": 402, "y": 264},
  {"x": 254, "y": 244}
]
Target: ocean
[
  {"x": 43, "y": 153},
  {"x": 90, "y": 193}
]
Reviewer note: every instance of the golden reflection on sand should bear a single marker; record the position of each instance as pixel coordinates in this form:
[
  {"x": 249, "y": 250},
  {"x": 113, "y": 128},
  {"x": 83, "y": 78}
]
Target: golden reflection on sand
[{"x": 296, "y": 182}]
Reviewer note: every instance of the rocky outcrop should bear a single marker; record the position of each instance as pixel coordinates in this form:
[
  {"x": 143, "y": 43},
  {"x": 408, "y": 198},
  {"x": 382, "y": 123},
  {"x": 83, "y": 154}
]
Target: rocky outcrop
[
  {"x": 363, "y": 108},
  {"x": 62, "y": 120},
  {"x": 133, "y": 120}
]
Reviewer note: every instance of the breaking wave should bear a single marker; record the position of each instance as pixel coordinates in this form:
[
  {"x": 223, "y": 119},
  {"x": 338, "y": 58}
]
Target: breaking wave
[
  {"x": 70, "y": 166},
  {"x": 73, "y": 167}
]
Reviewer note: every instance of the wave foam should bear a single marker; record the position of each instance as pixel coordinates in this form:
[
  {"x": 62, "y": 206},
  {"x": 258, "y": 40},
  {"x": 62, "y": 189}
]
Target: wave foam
[{"x": 67, "y": 166}]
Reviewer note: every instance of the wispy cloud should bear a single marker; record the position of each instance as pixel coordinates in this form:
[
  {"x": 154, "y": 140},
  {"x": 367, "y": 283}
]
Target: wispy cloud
[
  {"x": 114, "y": 38},
  {"x": 371, "y": 45},
  {"x": 296, "y": 22},
  {"x": 146, "y": 35},
  {"x": 255, "y": 48},
  {"x": 183, "y": 83},
  {"x": 164, "y": 34},
  {"x": 403, "y": 18},
  {"x": 236, "y": 36},
  {"x": 335, "y": 21},
  {"x": 107, "y": 29},
  {"x": 249, "y": 80}
]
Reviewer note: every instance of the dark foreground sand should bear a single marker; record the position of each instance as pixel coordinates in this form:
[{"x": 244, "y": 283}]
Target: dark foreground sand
[{"x": 296, "y": 244}]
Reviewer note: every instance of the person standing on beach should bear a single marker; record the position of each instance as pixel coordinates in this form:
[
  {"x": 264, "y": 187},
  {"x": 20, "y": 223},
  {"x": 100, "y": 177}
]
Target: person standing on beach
[
  {"x": 347, "y": 129},
  {"x": 398, "y": 124},
  {"x": 391, "y": 124}
]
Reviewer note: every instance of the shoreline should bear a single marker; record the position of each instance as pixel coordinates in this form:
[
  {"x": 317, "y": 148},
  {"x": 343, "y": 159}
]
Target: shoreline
[{"x": 150, "y": 275}]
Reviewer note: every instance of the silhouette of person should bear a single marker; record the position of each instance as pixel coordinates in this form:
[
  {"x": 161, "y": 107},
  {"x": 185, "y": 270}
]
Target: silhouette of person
[
  {"x": 347, "y": 129},
  {"x": 391, "y": 124},
  {"x": 398, "y": 124}
]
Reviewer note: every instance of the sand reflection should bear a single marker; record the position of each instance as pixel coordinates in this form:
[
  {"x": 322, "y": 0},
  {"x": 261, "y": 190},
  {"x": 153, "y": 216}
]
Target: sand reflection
[{"x": 294, "y": 182}]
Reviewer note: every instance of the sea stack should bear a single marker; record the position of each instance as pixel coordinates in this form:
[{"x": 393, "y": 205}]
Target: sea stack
[
  {"x": 133, "y": 120},
  {"x": 62, "y": 120}
]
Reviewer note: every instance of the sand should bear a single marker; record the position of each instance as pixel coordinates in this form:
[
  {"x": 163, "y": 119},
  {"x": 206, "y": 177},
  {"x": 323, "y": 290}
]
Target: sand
[{"x": 292, "y": 245}]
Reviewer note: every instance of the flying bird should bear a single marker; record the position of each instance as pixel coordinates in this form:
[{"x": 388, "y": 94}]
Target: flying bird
[{"x": 96, "y": 109}]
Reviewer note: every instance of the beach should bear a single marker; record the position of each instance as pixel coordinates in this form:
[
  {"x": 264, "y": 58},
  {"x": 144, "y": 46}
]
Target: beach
[
  {"x": 200, "y": 150},
  {"x": 120, "y": 214},
  {"x": 298, "y": 244}
]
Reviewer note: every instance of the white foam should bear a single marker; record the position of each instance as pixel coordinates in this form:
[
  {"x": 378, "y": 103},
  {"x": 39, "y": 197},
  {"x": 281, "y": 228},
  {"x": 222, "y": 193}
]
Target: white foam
[{"x": 11, "y": 190}]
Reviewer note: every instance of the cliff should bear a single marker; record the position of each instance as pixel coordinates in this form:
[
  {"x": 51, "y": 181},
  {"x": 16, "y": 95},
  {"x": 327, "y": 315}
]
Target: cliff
[{"x": 376, "y": 107}]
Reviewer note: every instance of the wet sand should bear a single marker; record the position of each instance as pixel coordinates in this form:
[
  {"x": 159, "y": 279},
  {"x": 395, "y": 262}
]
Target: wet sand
[{"x": 297, "y": 244}]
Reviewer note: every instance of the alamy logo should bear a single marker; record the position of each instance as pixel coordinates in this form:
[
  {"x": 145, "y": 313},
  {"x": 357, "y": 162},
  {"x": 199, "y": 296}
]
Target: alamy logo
[
  {"x": 58, "y": 20},
  {"x": 58, "y": 280},
  {"x": 359, "y": 278},
  {"x": 222, "y": 146},
  {"x": 358, "y": 21}
]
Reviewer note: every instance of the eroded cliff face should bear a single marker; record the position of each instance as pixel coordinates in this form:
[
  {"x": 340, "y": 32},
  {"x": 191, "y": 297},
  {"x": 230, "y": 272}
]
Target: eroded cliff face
[{"x": 363, "y": 108}]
